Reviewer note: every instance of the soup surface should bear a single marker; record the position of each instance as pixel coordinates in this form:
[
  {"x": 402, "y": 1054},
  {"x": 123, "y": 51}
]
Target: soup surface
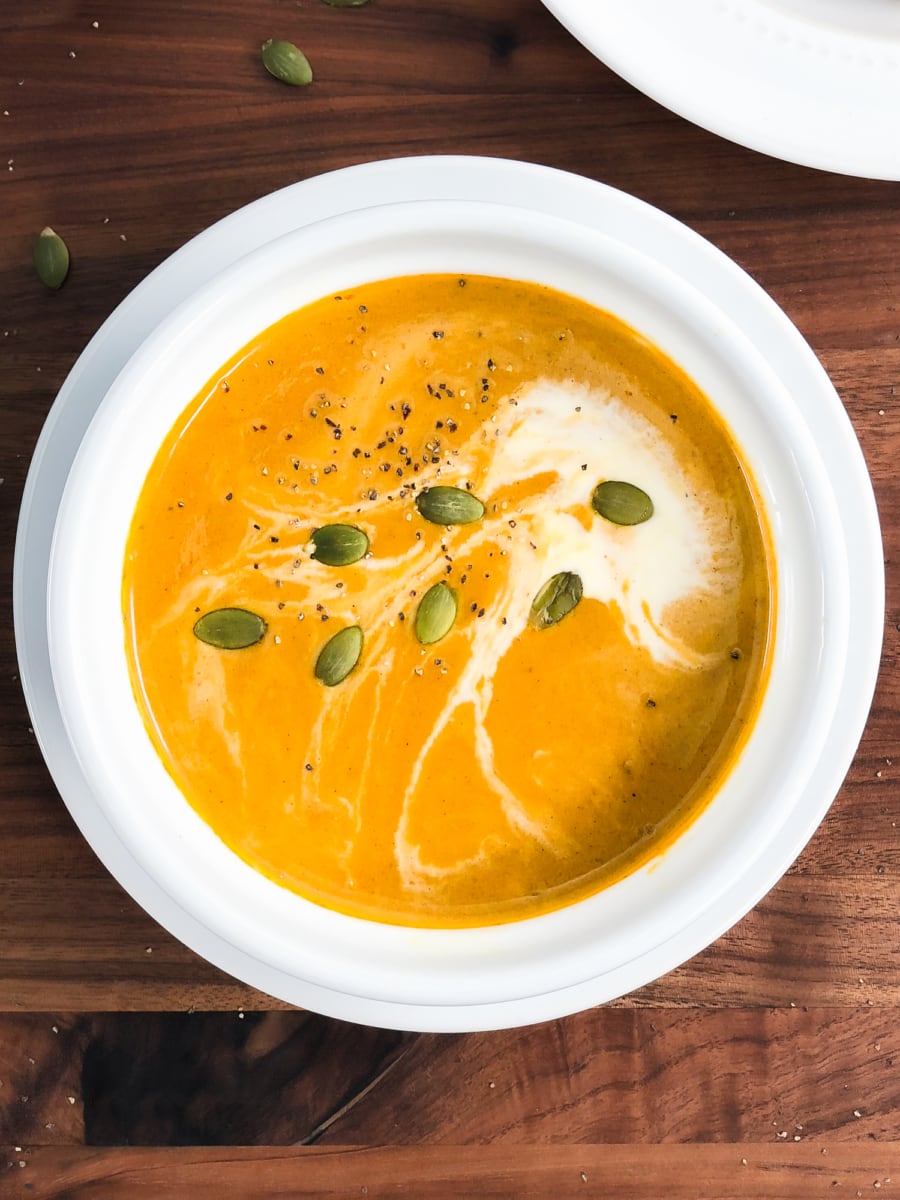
[{"x": 560, "y": 707}]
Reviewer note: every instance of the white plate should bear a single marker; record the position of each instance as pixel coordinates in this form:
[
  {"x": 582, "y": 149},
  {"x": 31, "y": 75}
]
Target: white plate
[
  {"x": 815, "y": 82},
  {"x": 540, "y": 190}
]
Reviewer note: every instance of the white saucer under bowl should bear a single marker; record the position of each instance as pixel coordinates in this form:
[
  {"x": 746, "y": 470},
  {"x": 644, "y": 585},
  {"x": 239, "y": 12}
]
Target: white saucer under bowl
[{"x": 297, "y": 959}]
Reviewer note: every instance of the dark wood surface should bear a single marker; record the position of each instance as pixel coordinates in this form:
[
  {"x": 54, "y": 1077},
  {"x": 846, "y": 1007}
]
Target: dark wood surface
[{"x": 764, "y": 1067}]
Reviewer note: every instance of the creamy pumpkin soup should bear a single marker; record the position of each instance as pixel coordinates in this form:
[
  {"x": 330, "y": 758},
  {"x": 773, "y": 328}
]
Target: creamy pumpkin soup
[{"x": 448, "y": 601}]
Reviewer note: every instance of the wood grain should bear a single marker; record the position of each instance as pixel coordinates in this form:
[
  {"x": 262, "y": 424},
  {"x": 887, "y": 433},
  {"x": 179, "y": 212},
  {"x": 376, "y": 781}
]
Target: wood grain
[
  {"x": 764, "y": 1067},
  {"x": 564, "y": 1172},
  {"x": 286, "y": 1078}
]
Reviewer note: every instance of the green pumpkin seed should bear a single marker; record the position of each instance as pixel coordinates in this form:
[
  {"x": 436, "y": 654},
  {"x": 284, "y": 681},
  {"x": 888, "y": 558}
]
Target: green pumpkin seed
[
  {"x": 51, "y": 258},
  {"x": 230, "y": 628},
  {"x": 286, "y": 62},
  {"x": 622, "y": 503},
  {"x": 436, "y": 614},
  {"x": 559, "y": 595},
  {"x": 339, "y": 545},
  {"x": 449, "y": 506},
  {"x": 339, "y": 655}
]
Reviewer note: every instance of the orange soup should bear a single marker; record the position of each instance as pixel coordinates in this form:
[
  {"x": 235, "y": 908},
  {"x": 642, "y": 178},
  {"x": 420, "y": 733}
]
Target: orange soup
[{"x": 448, "y": 601}]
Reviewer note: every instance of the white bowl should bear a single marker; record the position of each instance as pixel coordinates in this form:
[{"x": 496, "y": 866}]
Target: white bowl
[{"x": 372, "y": 972}]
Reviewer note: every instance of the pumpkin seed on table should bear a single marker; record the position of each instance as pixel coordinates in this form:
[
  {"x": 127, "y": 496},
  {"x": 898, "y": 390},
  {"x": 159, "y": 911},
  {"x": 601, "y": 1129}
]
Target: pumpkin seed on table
[
  {"x": 339, "y": 655},
  {"x": 346, "y": 3},
  {"x": 436, "y": 614},
  {"x": 230, "y": 628},
  {"x": 621, "y": 503},
  {"x": 444, "y": 505},
  {"x": 339, "y": 545},
  {"x": 286, "y": 62},
  {"x": 556, "y": 599},
  {"x": 51, "y": 258}
]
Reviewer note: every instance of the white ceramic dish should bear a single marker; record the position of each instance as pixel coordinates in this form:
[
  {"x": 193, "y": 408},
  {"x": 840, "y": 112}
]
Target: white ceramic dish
[
  {"x": 815, "y": 82},
  {"x": 511, "y": 974}
]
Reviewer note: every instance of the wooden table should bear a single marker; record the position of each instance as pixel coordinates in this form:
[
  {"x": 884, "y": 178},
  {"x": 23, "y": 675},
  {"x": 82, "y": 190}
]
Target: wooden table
[{"x": 764, "y": 1067}]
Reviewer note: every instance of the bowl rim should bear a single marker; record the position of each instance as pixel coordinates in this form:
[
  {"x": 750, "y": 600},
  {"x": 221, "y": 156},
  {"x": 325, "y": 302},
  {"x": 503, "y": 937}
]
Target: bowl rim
[
  {"x": 94, "y": 691},
  {"x": 666, "y": 219}
]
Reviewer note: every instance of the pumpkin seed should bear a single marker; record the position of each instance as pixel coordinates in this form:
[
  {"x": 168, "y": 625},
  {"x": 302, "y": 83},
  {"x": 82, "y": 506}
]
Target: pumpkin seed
[
  {"x": 622, "y": 503},
  {"x": 230, "y": 628},
  {"x": 436, "y": 614},
  {"x": 51, "y": 258},
  {"x": 339, "y": 655},
  {"x": 339, "y": 545},
  {"x": 346, "y": 3},
  {"x": 286, "y": 62},
  {"x": 559, "y": 595},
  {"x": 449, "y": 506}
]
